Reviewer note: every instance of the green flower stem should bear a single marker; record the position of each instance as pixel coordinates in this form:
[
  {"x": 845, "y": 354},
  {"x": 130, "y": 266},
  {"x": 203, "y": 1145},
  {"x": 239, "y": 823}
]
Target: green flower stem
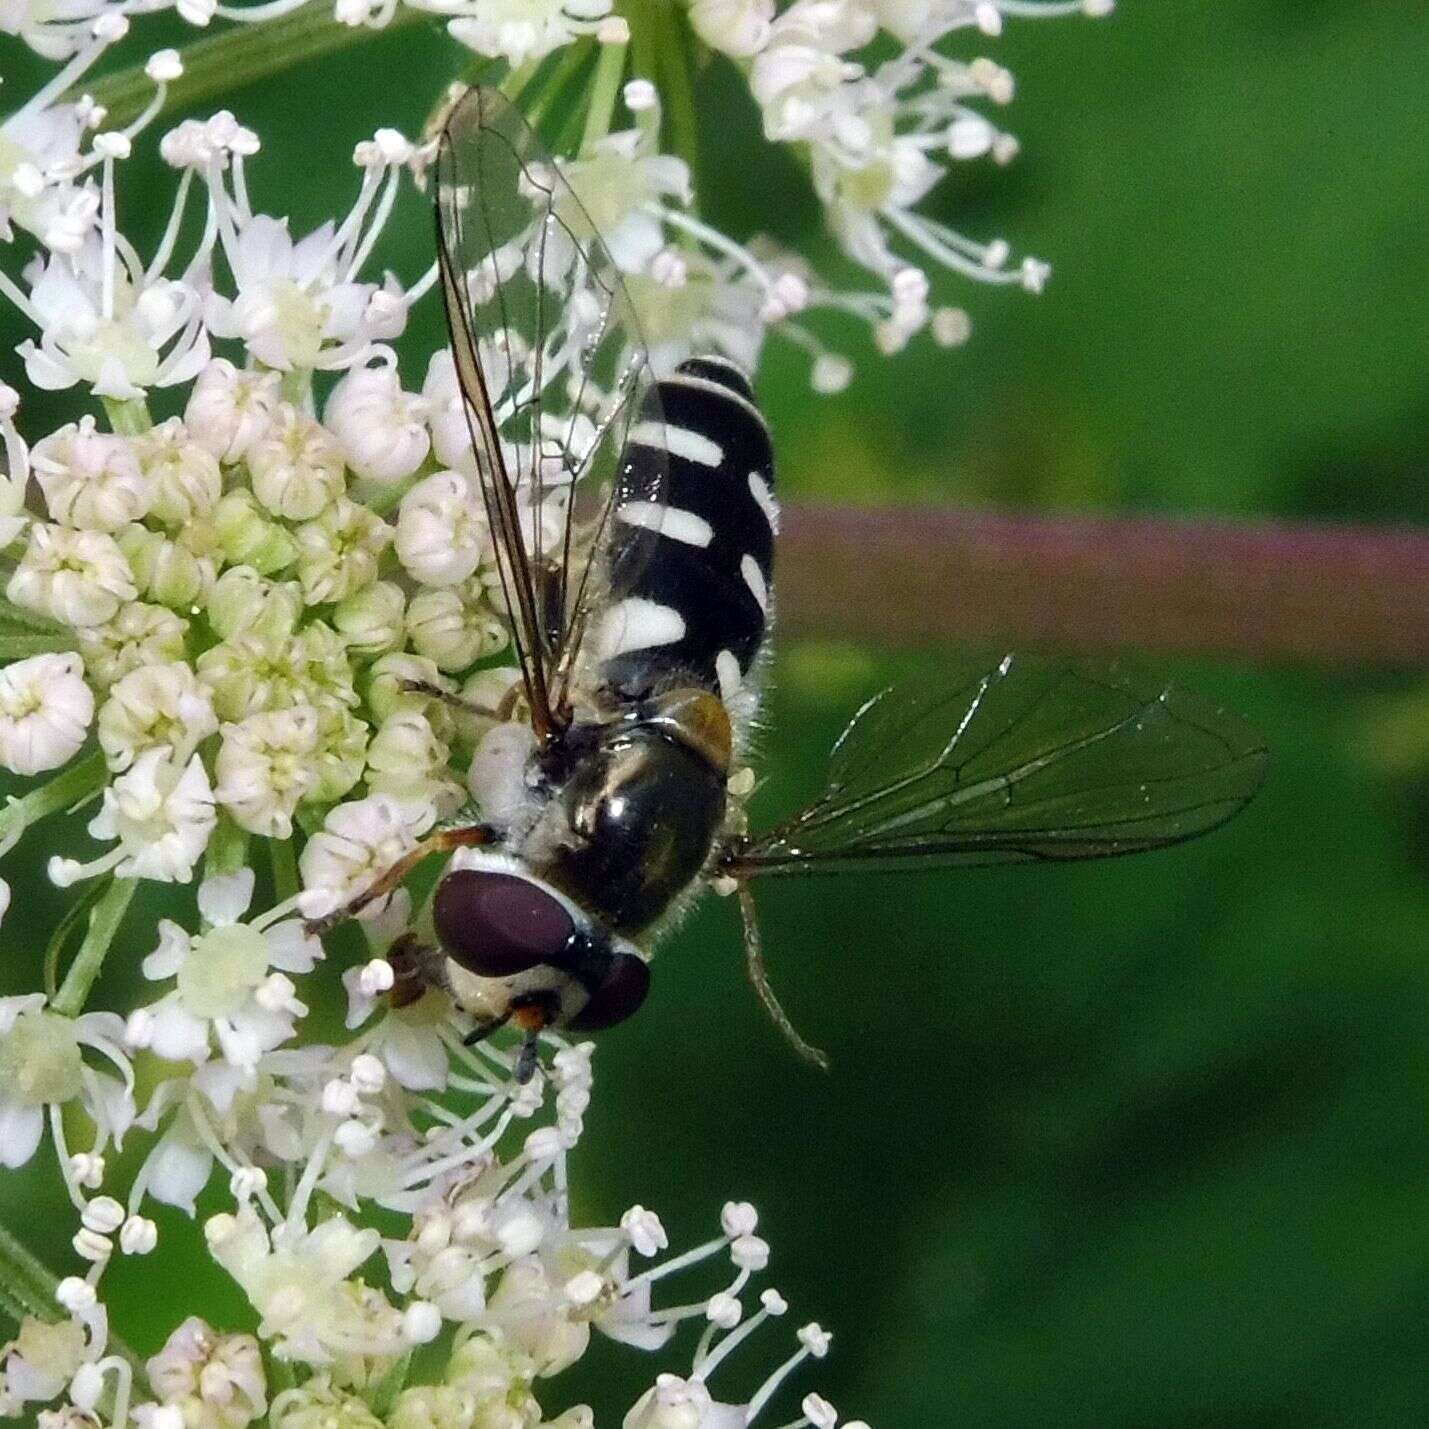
[
  {"x": 285, "y": 869},
  {"x": 227, "y": 850},
  {"x": 604, "y": 91},
  {"x": 75, "y": 783},
  {"x": 103, "y": 925},
  {"x": 18, "y": 646},
  {"x": 676, "y": 87},
  {"x": 296, "y": 386},
  {"x": 54, "y": 949},
  {"x": 128, "y": 419},
  {"x": 27, "y": 1285},
  {"x": 573, "y": 57},
  {"x": 239, "y": 56}
]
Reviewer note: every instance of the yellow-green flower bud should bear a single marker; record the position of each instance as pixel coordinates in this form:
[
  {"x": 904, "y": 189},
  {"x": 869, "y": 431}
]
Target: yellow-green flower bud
[
  {"x": 165, "y": 571},
  {"x": 341, "y": 756},
  {"x": 371, "y": 621},
  {"x": 338, "y": 552},
  {"x": 242, "y": 601},
  {"x": 247, "y": 537},
  {"x": 385, "y": 681}
]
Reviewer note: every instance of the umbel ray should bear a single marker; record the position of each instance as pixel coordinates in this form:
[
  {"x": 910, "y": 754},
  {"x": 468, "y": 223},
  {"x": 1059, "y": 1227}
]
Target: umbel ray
[{"x": 634, "y": 522}]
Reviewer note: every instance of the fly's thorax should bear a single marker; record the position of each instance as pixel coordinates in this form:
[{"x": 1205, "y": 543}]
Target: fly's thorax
[{"x": 636, "y": 808}]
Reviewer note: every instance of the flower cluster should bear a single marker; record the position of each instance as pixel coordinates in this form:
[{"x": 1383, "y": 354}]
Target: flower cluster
[
  {"x": 867, "y": 94},
  {"x": 487, "y": 1267},
  {"x": 252, "y": 622},
  {"x": 240, "y": 617}
]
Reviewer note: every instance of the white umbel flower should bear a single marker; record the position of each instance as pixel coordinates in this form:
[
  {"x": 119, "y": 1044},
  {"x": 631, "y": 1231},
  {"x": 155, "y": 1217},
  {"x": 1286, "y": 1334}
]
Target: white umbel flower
[
  {"x": 266, "y": 767},
  {"x": 737, "y": 27},
  {"x": 229, "y": 410},
  {"x": 45, "y": 712},
  {"x": 296, "y": 466},
  {"x": 520, "y": 30},
  {"x": 300, "y": 1286},
  {"x": 155, "y": 707},
  {"x": 77, "y": 577},
  {"x": 380, "y": 428},
  {"x": 290, "y": 311},
  {"x": 160, "y": 812},
  {"x": 182, "y": 473},
  {"x": 42, "y": 1065},
  {"x": 91, "y": 479},
  {"x": 442, "y": 534},
  {"x": 231, "y": 987},
  {"x": 357, "y": 842}
]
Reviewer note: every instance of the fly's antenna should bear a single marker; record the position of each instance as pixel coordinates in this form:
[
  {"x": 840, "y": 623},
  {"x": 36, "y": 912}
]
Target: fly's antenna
[{"x": 759, "y": 978}]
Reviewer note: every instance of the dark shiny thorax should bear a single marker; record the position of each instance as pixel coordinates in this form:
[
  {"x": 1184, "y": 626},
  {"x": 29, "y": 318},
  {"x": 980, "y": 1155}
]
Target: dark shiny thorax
[{"x": 644, "y": 809}]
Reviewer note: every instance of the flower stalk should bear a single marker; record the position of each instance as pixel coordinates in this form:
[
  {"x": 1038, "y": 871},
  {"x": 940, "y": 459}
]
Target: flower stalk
[
  {"x": 219, "y": 64},
  {"x": 104, "y": 921}
]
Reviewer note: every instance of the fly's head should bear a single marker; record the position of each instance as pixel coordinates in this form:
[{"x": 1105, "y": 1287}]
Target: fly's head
[{"x": 523, "y": 950}]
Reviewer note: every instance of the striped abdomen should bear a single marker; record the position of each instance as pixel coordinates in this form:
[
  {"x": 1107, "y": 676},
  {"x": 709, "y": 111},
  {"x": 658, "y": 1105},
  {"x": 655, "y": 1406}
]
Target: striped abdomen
[{"x": 693, "y": 608}]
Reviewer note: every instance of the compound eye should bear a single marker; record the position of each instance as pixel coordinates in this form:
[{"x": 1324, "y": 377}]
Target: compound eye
[
  {"x": 499, "y": 924},
  {"x": 622, "y": 990}
]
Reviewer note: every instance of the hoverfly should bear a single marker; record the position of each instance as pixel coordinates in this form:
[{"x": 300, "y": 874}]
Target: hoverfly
[{"x": 634, "y": 523}]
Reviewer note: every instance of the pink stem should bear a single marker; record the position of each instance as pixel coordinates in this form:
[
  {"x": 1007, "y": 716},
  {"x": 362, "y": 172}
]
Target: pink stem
[{"x": 1320, "y": 594}]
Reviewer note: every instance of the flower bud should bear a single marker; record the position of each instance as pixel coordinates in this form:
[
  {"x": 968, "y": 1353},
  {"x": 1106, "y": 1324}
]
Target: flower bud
[
  {"x": 297, "y": 468},
  {"x": 165, "y": 571},
  {"x": 441, "y": 530},
  {"x": 380, "y": 429},
  {"x": 183, "y": 475},
  {"x": 243, "y": 602},
  {"x": 409, "y": 762},
  {"x": 157, "y": 705},
  {"x": 338, "y": 552},
  {"x": 141, "y": 634},
  {"x": 266, "y": 767},
  {"x": 449, "y": 631},
  {"x": 247, "y": 537},
  {"x": 45, "y": 712},
  {"x": 77, "y": 577},
  {"x": 341, "y": 756},
  {"x": 229, "y": 410},
  {"x": 91, "y": 480},
  {"x": 371, "y": 621}
]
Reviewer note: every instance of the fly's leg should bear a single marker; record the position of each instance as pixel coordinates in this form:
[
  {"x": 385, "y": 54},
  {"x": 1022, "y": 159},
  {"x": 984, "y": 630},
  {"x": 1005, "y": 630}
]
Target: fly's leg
[
  {"x": 485, "y": 1028},
  {"x": 759, "y": 978},
  {"x": 443, "y": 841},
  {"x": 456, "y": 702},
  {"x": 527, "y": 1059}
]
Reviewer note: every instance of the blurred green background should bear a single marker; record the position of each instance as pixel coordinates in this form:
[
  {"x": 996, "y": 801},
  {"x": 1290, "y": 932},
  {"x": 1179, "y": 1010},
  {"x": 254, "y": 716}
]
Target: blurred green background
[{"x": 1139, "y": 1144}]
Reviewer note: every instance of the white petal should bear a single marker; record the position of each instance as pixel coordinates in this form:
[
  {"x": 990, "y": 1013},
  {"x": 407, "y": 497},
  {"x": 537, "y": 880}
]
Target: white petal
[
  {"x": 224, "y": 898},
  {"x": 178, "y": 1171},
  {"x": 20, "y": 1128}
]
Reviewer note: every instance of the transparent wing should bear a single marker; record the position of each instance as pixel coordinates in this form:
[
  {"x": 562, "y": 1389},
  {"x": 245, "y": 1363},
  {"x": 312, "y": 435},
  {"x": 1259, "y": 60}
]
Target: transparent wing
[
  {"x": 1031, "y": 760},
  {"x": 554, "y": 378}
]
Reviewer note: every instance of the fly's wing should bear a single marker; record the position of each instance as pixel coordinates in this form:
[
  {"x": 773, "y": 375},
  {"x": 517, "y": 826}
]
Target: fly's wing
[
  {"x": 553, "y": 376},
  {"x": 1032, "y": 760}
]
